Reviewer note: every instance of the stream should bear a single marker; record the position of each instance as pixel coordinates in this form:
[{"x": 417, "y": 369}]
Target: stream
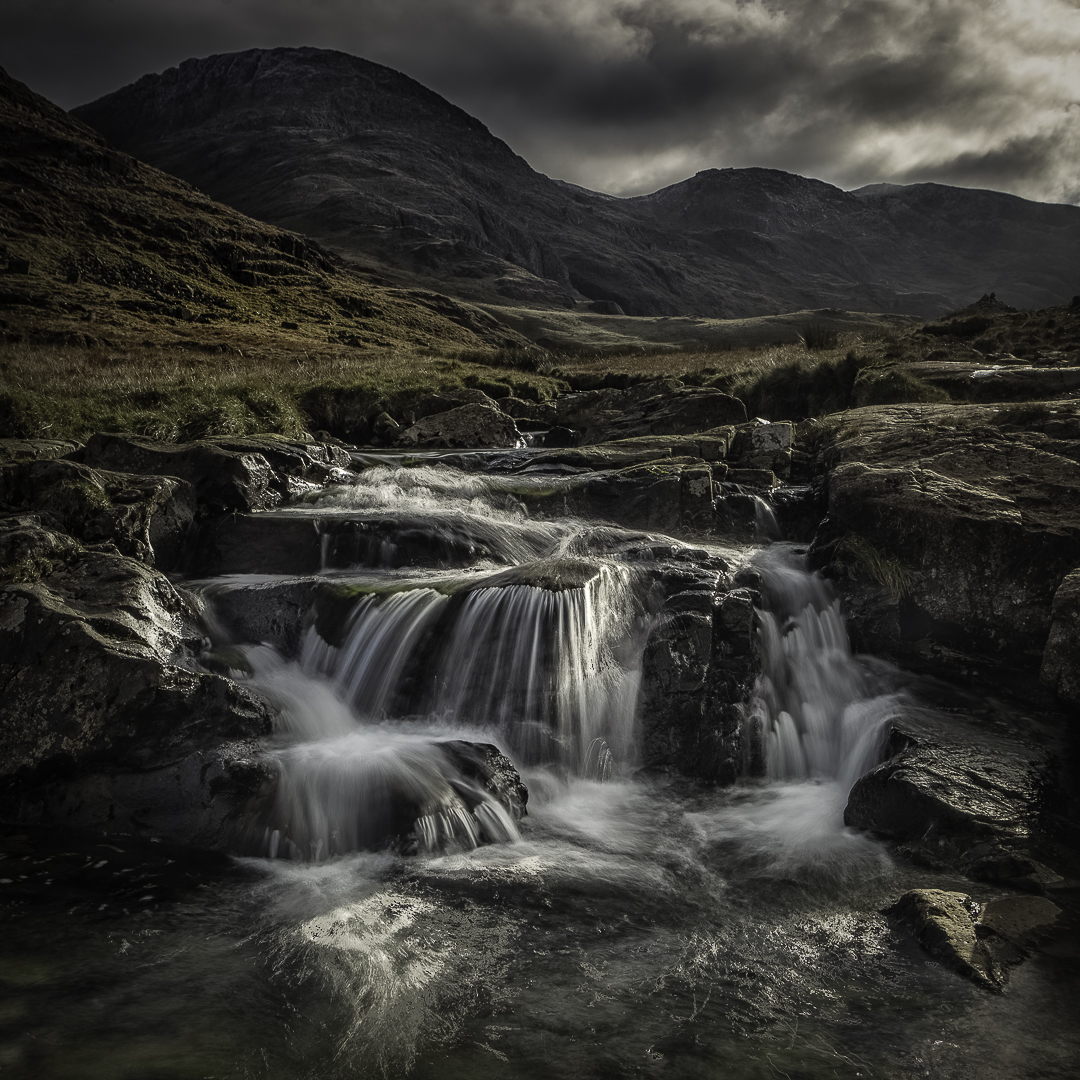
[{"x": 631, "y": 924}]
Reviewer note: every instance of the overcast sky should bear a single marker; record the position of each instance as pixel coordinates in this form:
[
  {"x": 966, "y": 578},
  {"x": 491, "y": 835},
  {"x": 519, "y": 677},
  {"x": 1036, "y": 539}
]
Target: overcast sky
[{"x": 627, "y": 96}]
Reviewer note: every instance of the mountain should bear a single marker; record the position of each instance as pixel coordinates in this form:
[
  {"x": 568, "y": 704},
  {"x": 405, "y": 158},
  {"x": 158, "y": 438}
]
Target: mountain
[
  {"x": 100, "y": 248},
  {"x": 400, "y": 181}
]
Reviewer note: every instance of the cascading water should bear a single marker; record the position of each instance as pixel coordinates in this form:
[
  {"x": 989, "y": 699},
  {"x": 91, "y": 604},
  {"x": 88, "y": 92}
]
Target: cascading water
[
  {"x": 550, "y": 671},
  {"x": 821, "y": 716},
  {"x": 822, "y": 719},
  {"x": 638, "y": 926}
]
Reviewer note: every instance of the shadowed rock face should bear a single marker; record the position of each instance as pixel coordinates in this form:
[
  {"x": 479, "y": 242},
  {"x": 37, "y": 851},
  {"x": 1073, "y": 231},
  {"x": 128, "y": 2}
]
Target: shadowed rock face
[{"x": 385, "y": 170}]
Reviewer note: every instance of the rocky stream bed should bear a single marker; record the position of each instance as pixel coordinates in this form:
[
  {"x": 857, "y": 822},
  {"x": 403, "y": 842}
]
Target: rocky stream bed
[{"x": 700, "y": 745}]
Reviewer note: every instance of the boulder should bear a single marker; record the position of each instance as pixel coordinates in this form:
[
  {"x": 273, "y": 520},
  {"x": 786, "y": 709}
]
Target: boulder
[
  {"x": 424, "y": 796},
  {"x": 981, "y": 941},
  {"x": 103, "y": 722},
  {"x": 948, "y": 787},
  {"x": 944, "y": 923},
  {"x": 698, "y": 667},
  {"x": 470, "y": 426},
  {"x": 488, "y": 767}
]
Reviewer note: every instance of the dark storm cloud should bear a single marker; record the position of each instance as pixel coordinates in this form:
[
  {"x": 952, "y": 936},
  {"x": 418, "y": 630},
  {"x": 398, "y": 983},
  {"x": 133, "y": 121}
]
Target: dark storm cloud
[{"x": 628, "y": 95}]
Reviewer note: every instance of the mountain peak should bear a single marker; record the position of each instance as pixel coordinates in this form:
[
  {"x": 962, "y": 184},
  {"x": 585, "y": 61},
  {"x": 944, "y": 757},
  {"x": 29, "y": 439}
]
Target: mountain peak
[{"x": 387, "y": 172}]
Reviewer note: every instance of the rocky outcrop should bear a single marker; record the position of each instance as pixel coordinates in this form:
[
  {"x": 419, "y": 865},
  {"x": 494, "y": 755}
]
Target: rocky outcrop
[
  {"x": 103, "y": 721},
  {"x": 946, "y": 787},
  {"x": 227, "y": 474},
  {"x": 969, "y": 516},
  {"x": 699, "y": 665},
  {"x": 13, "y": 451}
]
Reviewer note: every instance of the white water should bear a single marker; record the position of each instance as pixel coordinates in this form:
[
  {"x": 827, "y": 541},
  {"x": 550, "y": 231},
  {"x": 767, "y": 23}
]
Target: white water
[
  {"x": 550, "y": 675},
  {"x": 823, "y": 724},
  {"x": 819, "y": 711}
]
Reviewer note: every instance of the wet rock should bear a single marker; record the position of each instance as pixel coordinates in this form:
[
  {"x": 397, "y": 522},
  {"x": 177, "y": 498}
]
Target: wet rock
[
  {"x": 1024, "y": 921},
  {"x": 146, "y": 517},
  {"x": 468, "y": 426},
  {"x": 228, "y": 474},
  {"x": 984, "y": 942},
  {"x": 1008, "y": 864},
  {"x": 428, "y": 796},
  {"x": 944, "y": 923},
  {"x": 950, "y": 789},
  {"x": 1061, "y": 657},
  {"x": 553, "y": 575},
  {"x": 29, "y": 550},
  {"x": 669, "y": 494},
  {"x": 279, "y": 543},
  {"x": 102, "y": 721},
  {"x": 487, "y": 766},
  {"x": 697, "y": 669},
  {"x": 621, "y": 453}
]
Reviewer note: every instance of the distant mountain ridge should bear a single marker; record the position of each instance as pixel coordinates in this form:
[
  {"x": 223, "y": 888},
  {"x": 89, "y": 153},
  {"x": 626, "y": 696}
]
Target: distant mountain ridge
[{"x": 388, "y": 173}]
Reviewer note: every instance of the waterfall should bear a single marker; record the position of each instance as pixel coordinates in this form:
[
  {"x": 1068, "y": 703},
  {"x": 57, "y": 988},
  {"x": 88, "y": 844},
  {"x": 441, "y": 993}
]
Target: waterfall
[
  {"x": 557, "y": 672},
  {"x": 820, "y": 713},
  {"x": 823, "y": 719},
  {"x": 554, "y": 671},
  {"x": 549, "y": 670}
]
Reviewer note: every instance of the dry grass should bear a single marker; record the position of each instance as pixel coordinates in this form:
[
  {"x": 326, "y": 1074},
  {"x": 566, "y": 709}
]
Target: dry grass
[{"x": 171, "y": 394}]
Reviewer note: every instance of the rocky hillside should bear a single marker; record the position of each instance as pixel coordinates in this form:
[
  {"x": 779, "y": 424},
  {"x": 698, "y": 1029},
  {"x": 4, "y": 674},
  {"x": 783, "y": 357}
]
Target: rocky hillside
[
  {"x": 385, "y": 171},
  {"x": 100, "y": 248}
]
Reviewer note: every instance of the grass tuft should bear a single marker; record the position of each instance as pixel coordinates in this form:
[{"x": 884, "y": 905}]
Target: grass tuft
[
  {"x": 817, "y": 335},
  {"x": 860, "y": 558}
]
